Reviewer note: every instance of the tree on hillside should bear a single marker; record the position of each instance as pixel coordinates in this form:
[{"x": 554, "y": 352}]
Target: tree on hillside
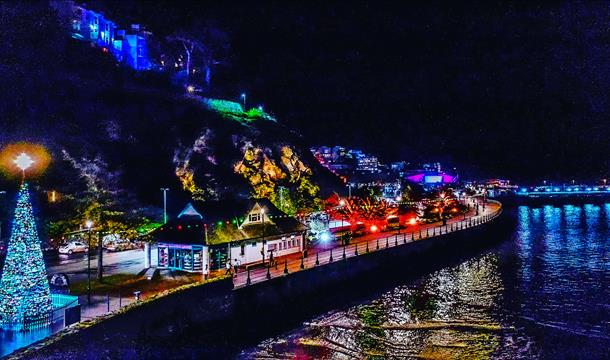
[{"x": 204, "y": 45}]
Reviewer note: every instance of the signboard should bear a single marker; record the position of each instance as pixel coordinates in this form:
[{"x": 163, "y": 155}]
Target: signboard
[{"x": 72, "y": 315}]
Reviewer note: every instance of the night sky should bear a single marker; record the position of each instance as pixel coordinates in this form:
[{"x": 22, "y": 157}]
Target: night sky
[{"x": 512, "y": 90}]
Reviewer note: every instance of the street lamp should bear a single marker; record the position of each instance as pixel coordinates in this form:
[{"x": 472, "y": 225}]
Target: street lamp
[
  {"x": 165, "y": 190},
  {"x": 342, "y": 204},
  {"x": 243, "y": 99},
  {"x": 89, "y": 226},
  {"x": 263, "y": 247}
]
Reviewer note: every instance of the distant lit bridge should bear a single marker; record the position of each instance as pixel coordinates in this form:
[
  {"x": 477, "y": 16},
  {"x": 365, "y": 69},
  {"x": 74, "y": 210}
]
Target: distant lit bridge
[{"x": 572, "y": 190}]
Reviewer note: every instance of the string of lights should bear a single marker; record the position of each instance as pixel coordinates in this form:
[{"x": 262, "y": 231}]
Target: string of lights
[{"x": 25, "y": 295}]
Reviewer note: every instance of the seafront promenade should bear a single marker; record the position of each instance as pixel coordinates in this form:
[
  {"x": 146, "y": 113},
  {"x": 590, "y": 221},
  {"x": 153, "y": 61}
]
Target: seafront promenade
[{"x": 364, "y": 245}]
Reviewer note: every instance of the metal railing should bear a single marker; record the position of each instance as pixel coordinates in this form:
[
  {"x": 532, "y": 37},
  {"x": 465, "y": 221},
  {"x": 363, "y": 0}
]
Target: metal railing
[{"x": 364, "y": 247}]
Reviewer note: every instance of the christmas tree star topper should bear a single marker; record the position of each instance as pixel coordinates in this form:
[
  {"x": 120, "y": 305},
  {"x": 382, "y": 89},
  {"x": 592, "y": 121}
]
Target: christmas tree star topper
[{"x": 23, "y": 162}]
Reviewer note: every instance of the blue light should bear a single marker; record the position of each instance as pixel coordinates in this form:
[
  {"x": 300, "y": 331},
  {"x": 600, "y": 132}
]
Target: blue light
[
  {"x": 588, "y": 189},
  {"x": 523, "y": 190},
  {"x": 557, "y": 189},
  {"x": 569, "y": 189},
  {"x": 324, "y": 237},
  {"x": 548, "y": 189}
]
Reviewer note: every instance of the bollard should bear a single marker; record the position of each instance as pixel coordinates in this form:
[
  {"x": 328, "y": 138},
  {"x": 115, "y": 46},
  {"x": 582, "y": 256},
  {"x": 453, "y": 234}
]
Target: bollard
[
  {"x": 396, "y": 241},
  {"x": 419, "y": 233},
  {"x": 120, "y": 300},
  {"x": 286, "y": 266},
  {"x": 302, "y": 262},
  {"x": 427, "y": 233},
  {"x": 317, "y": 259},
  {"x": 331, "y": 256},
  {"x": 356, "y": 250},
  {"x": 413, "y": 236},
  {"x": 404, "y": 238},
  {"x": 268, "y": 273},
  {"x": 343, "y": 252},
  {"x": 107, "y": 302},
  {"x": 248, "y": 281},
  {"x": 377, "y": 247},
  {"x": 367, "y": 247}
]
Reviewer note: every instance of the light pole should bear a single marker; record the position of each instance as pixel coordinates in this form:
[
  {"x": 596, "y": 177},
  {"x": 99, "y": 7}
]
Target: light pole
[
  {"x": 263, "y": 247},
  {"x": 165, "y": 190},
  {"x": 89, "y": 225},
  {"x": 398, "y": 200},
  {"x": 243, "y": 99},
  {"x": 342, "y": 204}
]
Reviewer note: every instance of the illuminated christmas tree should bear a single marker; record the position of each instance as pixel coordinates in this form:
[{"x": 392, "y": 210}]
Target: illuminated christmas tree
[{"x": 25, "y": 297}]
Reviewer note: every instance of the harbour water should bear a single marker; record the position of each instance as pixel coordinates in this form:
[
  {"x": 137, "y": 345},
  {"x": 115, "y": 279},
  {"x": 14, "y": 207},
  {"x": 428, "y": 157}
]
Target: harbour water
[{"x": 542, "y": 293}]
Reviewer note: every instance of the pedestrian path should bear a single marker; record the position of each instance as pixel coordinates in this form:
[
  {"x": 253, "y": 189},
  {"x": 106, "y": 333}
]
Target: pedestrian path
[
  {"x": 367, "y": 244},
  {"x": 101, "y": 305}
]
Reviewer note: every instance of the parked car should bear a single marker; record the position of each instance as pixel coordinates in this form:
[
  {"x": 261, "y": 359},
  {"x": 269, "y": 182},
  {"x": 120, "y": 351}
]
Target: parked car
[
  {"x": 73, "y": 247},
  {"x": 121, "y": 245}
]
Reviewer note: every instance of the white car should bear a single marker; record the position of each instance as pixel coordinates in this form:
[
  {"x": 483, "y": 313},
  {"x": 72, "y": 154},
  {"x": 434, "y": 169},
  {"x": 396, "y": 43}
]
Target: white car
[{"x": 73, "y": 247}]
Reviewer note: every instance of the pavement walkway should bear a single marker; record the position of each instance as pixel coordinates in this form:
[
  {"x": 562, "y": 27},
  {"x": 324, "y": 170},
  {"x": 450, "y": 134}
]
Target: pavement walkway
[{"x": 372, "y": 242}]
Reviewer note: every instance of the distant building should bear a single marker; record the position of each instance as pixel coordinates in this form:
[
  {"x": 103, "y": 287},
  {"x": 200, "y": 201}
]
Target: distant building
[
  {"x": 205, "y": 236},
  {"x": 398, "y": 166},
  {"x": 128, "y": 46},
  {"x": 367, "y": 163},
  {"x": 430, "y": 178},
  {"x": 432, "y": 167}
]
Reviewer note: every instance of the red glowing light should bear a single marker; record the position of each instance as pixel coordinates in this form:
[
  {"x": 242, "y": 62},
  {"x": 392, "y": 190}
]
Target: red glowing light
[
  {"x": 374, "y": 228},
  {"x": 412, "y": 221},
  {"x": 179, "y": 227}
]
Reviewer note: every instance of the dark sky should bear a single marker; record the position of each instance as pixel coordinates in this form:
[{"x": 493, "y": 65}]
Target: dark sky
[{"x": 501, "y": 89}]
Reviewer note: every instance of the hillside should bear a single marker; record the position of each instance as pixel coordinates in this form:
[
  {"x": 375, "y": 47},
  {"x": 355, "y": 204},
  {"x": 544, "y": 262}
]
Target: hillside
[{"x": 136, "y": 132}]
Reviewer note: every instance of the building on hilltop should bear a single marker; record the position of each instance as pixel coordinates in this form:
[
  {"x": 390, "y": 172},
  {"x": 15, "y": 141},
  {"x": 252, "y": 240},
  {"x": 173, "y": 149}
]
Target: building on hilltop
[{"x": 128, "y": 46}]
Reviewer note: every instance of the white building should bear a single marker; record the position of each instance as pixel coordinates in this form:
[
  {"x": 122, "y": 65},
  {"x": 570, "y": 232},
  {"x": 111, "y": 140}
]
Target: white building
[{"x": 208, "y": 235}]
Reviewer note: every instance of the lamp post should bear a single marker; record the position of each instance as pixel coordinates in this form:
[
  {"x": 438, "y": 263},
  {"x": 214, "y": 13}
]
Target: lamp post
[
  {"x": 165, "y": 190},
  {"x": 398, "y": 200},
  {"x": 89, "y": 225},
  {"x": 263, "y": 247},
  {"x": 243, "y": 99},
  {"x": 342, "y": 204}
]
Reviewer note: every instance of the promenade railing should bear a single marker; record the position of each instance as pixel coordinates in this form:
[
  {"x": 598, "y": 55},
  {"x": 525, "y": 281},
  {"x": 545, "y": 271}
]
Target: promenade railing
[{"x": 318, "y": 257}]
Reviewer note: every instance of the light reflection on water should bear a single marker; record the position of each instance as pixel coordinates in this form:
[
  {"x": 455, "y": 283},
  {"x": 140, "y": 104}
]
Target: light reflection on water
[{"x": 544, "y": 294}]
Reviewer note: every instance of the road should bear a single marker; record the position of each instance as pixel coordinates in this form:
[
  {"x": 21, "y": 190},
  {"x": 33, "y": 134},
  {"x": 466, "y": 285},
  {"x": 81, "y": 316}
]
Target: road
[
  {"x": 75, "y": 265},
  {"x": 371, "y": 243}
]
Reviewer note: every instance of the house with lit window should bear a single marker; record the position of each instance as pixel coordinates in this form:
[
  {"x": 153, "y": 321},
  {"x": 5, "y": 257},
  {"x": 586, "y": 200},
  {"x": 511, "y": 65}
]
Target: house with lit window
[
  {"x": 207, "y": 235},
  {"x": 128, "y": 46}
]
